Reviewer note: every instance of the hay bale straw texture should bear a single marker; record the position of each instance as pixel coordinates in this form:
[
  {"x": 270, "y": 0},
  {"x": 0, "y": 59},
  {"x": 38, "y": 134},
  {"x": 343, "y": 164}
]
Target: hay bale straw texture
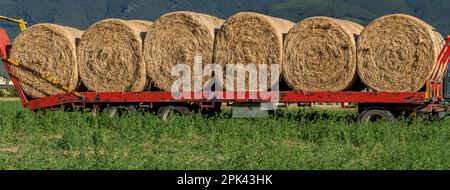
[
  {"x": 176, "y": 38},
  {"x": 49, "y": 50},
  {"x": 110, "y": 56},
  {"x": 398, "y": 53},
  {"x": 143, "y": 24},
  {"x": 251, "y": 38},
  {"x": 320, "y": 55}
]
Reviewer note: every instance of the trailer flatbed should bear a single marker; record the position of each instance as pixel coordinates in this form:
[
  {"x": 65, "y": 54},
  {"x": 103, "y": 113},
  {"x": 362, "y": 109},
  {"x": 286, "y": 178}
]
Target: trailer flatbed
[{"x": 166, "y": 97}]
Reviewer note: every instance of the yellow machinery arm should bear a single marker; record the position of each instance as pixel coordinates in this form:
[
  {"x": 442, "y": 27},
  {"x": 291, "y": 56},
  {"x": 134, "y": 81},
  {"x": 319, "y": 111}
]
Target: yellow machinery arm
[
  {"x": 23, "y": 26},
  {"x": 47, "y": 78}
]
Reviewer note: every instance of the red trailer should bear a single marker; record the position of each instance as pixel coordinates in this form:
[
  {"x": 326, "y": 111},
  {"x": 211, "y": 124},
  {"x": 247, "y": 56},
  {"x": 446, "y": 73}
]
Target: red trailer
[{"x": 371, "y": 105}]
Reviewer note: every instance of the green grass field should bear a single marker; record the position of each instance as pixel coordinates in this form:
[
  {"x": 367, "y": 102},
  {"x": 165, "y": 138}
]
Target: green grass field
[{"x": 296, "y": 139}]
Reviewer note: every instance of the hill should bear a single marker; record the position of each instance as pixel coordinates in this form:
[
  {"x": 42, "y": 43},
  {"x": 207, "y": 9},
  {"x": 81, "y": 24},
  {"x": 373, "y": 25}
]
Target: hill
[
  {"x": 364, "y": 11},
  {"x": 82, "y": 13}
]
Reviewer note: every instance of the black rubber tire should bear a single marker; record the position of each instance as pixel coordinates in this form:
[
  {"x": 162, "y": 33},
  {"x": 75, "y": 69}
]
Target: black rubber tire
[
  {"x": 213, "y": 112},
  {"x": 165, "y": 112},
  {"x": 368, "y": 116},
  {"x": 117, "y": 111}
]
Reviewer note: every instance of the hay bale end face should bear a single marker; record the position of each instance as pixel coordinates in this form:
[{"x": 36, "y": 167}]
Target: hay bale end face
[
  {"x": 176, "y": 38},
  {"x": 49, "y": 50},
  {"x": 251, "y": 38},
  {"x": 320, "y": 55},
  {"x": 398, "y": 53},
  {"x": 110, "y": 56}
]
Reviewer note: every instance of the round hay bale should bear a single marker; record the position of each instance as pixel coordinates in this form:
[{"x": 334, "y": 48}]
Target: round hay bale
[
  {"x": 398, "y": 53},
  {"x": 320, "y": 55},
  {"x": 251, "y": 38},
  {"x": 176, "y": 38},
  {"x": 110, "y": 56},
  {"x": 50, "y": 50}
]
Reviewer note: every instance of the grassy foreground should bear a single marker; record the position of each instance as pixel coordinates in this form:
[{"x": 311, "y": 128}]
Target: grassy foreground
[{"x": 309, "y": 139}]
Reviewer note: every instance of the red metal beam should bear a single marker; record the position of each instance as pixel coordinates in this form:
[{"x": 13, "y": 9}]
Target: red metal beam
[
  {"x": 284, "y": 97},
  {"x": 354, "y": 97},
  {"x": 443, "y": 59},
  {"x": 5, "y": 43}
]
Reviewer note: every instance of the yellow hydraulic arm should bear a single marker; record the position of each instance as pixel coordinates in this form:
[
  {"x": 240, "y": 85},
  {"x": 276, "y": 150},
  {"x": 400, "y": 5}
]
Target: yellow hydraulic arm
[
  {"x": 23, "y": 26},
  {"x": 47, "y": 78}
]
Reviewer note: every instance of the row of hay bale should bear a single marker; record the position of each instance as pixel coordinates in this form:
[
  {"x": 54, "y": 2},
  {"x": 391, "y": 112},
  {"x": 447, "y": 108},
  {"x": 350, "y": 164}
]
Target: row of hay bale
[{"x": 395, "y": 53}]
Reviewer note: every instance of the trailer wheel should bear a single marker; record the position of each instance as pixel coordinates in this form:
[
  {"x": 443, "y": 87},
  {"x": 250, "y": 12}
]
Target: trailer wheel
[
  {"x": 377, "y": 115},
  {"x": 213, "y": 111},
  {"x": 166, "y": 112},
  {"x": 117, "y": 111}
]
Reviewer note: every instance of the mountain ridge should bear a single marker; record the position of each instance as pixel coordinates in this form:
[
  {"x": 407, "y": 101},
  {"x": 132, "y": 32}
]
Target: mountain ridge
[{"x": 83, "y": 13}]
